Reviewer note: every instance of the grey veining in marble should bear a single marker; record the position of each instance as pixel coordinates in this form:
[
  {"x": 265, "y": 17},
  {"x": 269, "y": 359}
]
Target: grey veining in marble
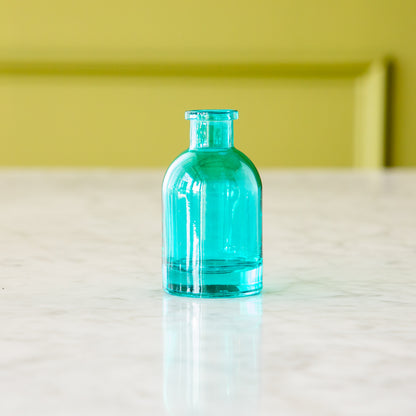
[{"x": 86, "y": 330}]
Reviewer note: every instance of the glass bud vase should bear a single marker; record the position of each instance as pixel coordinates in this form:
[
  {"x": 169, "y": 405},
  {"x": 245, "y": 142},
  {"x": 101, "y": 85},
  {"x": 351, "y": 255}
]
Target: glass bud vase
[{"x": 212, "y": 214}]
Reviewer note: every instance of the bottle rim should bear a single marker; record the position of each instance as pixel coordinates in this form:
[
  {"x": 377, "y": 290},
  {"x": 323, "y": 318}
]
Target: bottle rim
[{"x": 211, "y": 115}]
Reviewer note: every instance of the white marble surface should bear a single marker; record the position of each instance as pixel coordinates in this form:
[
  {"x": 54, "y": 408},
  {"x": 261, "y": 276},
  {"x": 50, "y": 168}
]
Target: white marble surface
[{"x": 86, "y": 330}]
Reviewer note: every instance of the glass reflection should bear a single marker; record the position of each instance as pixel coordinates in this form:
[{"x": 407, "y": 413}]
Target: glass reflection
[{"x": 211, "y": 355}]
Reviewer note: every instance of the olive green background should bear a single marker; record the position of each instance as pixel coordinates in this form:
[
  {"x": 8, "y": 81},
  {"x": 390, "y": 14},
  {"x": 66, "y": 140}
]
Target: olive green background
[{"x": 92, "y": 83}]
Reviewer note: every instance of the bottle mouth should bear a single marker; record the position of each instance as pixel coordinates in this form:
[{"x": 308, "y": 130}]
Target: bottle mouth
[{"x": 211, "y": 115}]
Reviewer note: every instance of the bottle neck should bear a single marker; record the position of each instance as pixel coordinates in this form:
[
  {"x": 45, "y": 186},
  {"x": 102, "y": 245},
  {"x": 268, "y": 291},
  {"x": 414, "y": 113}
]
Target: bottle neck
[{"x": 211, "y": 134}]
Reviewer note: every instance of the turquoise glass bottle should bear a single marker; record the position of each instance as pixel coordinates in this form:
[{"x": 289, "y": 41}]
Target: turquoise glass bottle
[{"x": 212, "y": 214}]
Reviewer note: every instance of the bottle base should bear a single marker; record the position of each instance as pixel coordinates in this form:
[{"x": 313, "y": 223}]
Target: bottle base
[
  {"x": 214, "y": 279},
  {"x": 213, "y": 292}
]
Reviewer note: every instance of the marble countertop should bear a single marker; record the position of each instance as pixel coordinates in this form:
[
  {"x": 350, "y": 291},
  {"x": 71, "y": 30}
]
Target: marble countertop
[{"x": 86, "y": 330}]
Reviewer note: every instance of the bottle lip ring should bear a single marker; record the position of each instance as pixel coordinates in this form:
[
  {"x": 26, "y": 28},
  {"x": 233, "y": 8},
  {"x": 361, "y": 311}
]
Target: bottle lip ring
[{"x": 211, "y": 115}]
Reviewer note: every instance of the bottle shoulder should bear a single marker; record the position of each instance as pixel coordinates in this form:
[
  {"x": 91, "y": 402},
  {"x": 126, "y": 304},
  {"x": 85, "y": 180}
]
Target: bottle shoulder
[{"x": 206, "y": 166}]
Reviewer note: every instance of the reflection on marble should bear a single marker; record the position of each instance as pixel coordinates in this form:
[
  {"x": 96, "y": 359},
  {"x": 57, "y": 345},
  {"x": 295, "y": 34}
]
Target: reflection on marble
[{"x": 211, "y": 355}]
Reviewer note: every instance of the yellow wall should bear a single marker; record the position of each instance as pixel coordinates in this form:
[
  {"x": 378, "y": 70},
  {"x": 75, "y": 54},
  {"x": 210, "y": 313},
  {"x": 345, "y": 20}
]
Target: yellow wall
[{"x": 80, "y": 119}]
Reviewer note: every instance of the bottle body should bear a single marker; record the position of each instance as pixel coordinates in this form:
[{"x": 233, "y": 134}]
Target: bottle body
[{"x": 212, "y": 224}]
